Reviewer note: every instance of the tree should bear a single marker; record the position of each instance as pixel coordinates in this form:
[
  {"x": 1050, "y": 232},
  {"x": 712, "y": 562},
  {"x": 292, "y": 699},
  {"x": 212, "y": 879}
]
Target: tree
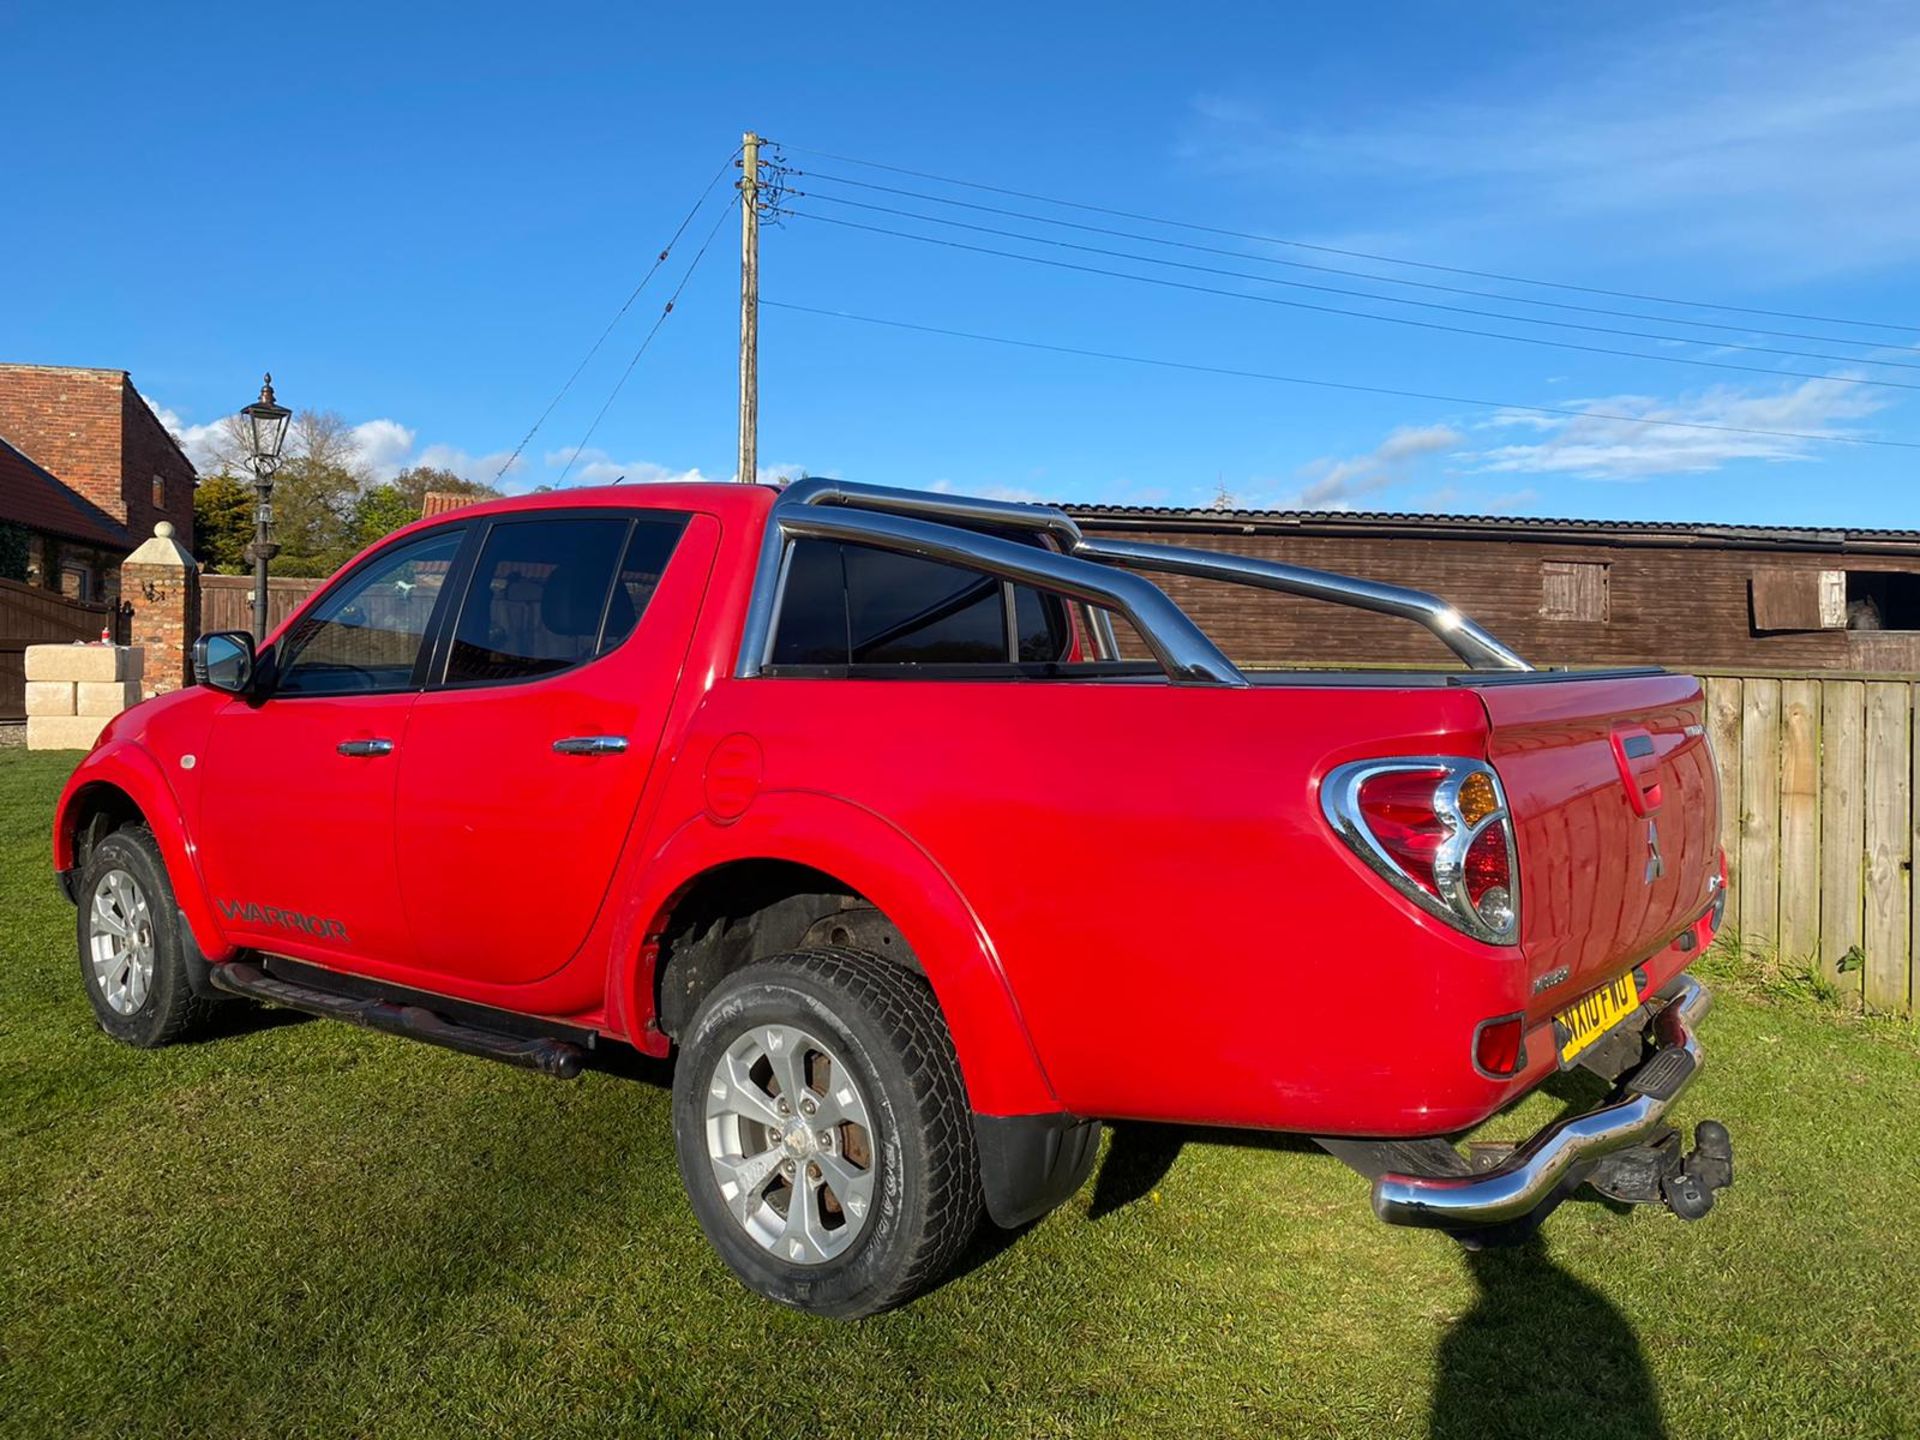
[
  {"x": 415, "y": 482},
  {"x": 223, "y": 523},
  {"x": 326, "y": 505},
  {"x": 321, "y": 476},
  {"x": 380, "y": 511}
]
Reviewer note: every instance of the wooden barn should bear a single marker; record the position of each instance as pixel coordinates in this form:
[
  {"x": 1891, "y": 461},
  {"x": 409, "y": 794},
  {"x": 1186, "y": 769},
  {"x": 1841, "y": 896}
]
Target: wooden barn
[{"x": 1578, "y": 592}]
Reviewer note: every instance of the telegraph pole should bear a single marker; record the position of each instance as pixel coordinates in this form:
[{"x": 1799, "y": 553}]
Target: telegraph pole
[{"x": 749, "y": 308}]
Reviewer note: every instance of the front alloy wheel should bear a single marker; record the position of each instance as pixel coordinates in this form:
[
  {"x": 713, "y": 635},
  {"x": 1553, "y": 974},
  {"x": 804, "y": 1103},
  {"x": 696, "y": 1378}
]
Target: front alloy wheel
[
  {"x": 131, "y": 943},
  {"x": 121, "y": 943}
]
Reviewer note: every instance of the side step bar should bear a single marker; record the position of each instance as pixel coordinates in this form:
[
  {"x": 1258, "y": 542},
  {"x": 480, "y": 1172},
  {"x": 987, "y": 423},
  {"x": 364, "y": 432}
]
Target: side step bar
[{"x": 557, "y": 1058}]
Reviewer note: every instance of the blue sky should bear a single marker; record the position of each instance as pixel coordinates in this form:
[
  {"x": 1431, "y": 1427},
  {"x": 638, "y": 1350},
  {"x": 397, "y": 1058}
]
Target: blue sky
[{"x": 420, "y": 217}]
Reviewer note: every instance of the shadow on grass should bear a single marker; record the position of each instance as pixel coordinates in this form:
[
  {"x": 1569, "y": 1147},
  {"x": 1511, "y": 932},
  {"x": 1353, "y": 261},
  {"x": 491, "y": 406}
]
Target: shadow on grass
[
  {"x": 1540, "y": 1353},
  {"x": 1140, "y": 1155}
]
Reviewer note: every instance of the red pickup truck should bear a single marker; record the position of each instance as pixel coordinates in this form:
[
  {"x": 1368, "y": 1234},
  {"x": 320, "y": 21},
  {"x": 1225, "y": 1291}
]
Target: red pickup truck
[{"x": 850, "y": 799}]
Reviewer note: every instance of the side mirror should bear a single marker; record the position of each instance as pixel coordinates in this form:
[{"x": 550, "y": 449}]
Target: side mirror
[{"x": 224, "y": 661}]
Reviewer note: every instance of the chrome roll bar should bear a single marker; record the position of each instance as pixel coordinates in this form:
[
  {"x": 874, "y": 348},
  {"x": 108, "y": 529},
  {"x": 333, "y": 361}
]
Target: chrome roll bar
[
  {"x": 1467, "y": 640},
  {"x": 1099, "y": 573},
  {"x": 1178, "y": 645}
]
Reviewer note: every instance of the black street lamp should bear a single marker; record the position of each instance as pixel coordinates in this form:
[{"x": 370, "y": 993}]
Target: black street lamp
[{"x": 266, "y": 431}]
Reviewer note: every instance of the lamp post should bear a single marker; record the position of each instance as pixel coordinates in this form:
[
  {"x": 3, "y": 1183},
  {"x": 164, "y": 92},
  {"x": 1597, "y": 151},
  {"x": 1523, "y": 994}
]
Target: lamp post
[{"x": 266, "y": 430}]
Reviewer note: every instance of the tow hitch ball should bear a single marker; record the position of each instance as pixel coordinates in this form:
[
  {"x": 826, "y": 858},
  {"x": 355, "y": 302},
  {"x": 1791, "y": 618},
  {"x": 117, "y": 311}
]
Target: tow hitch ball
[{"x": 1656, "y": 1173}]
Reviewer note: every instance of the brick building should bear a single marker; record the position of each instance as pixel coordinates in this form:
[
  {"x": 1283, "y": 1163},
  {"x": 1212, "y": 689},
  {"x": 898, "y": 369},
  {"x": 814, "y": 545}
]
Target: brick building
[
  {"x": 90, "y": 432},
  {"x": 1579, "y": 592}
]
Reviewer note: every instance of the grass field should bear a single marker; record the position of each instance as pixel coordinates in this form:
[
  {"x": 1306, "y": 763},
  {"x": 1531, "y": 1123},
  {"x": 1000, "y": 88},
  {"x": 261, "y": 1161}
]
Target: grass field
[{"x": 306, "y": 1228}]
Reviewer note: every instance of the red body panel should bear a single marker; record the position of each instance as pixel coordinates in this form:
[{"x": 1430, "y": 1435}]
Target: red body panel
[{"x": 1123, "y": 892}]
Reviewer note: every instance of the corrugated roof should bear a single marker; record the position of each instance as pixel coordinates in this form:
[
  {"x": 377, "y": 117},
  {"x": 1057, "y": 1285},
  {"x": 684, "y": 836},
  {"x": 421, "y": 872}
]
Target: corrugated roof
[
  {"x": 35, "y": 497},
  {"x": 1821, "y": 536}
]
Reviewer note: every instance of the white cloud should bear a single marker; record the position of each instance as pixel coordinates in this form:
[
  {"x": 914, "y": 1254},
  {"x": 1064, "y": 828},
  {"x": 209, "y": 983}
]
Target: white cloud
[
  {"x": 1336, "y": 483},
  {"x": 573, "y": 466},
  {"x": 483, "y": 469},
  {"x": 1785, "y": 136},
  {"x": 384, "y": 447},
  {"x": 1600, "y": 448},
  {"x": 198, "y": 441},
  {"x": 1014, "y": 494}
]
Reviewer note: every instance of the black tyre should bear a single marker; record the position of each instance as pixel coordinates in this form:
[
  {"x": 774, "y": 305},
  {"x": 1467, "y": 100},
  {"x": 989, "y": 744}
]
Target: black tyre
[
  {"x": 130, "y": 945},
  {"x": 823, "y": 1132}
]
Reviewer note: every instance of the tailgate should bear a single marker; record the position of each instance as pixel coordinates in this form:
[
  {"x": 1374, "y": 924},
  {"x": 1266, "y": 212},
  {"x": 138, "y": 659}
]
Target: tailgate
[{"x": 1616, "y": 808}]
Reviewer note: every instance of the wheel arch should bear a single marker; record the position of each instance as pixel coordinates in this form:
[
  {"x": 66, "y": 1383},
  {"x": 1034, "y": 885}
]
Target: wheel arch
[
  {"x": 122, "y": 786},
  {"x": 799, "y": 844}
]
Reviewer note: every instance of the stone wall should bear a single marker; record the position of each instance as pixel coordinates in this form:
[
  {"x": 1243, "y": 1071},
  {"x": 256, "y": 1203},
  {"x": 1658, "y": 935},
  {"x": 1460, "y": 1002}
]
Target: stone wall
[{"x": 73, "y": 690}]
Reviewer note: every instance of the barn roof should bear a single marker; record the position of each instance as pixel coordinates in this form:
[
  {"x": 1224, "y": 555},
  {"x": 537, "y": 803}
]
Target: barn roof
[
  {"x": 1409, "y": 524},
  {"x": 33, "y": 497}
]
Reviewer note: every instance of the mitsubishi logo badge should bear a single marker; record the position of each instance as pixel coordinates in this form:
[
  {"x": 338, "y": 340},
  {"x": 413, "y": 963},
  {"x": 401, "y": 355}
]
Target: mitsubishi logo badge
[{"x": 1656, "y": 867}]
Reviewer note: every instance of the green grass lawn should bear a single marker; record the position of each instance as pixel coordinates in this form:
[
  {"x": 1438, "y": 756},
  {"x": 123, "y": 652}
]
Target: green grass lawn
[{"x": 308, "y": 1228}]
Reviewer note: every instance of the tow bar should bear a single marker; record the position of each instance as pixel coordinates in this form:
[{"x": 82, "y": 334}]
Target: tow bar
[{"x": 1656, "y": 1173}]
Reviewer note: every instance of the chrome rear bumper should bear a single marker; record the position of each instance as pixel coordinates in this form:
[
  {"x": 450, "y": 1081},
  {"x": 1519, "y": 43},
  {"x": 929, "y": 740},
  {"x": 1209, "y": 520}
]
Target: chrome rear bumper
[{"x": 1534, "y": 1172}]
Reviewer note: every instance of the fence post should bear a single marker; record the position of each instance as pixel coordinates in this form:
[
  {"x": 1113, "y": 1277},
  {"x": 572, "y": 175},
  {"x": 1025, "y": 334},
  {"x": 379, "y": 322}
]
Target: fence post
[{"x": 162, "y": 584}]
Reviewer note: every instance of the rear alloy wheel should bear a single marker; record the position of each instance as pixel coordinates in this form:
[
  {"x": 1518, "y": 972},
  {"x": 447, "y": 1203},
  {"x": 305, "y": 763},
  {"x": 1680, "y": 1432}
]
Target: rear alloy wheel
[
  {"x": 790, "y": 1143},
  {"x": 130, "y": 945},
  {"x": 823, "y": 1132}
]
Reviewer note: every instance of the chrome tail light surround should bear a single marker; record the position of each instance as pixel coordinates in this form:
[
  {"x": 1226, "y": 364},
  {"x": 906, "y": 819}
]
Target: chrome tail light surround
[{"x": 1340, "y": 803}]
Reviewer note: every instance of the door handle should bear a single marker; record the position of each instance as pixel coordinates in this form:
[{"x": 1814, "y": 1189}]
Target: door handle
[
  {"x": 591, "y": 745},
  {"x": 363, "y": 748}
]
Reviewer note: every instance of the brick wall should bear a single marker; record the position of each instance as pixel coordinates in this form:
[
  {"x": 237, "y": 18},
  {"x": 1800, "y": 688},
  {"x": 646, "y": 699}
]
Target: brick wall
[
  {"x": 93, "y": 431},
  {"x": 149, "y": 452}
]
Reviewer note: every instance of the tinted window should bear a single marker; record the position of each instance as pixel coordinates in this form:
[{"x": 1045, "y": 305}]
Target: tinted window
[
  {"x": 1040, "y": 625},
  {"x": 537, "y": 599},
  {"x": 813, "y": 607},
  {"x": 365, "y": 634},
  {"x": 905, "y": 610},
  {"x": 850, "y": 604},
  {"x": 648, "y": 550}
]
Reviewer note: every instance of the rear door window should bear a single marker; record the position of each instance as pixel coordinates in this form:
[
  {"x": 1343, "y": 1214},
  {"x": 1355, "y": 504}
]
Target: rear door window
[
  {"x": 550, "y": 594},
  {"x": 857, "y": 605},
  {"x": 902, "y": 610}
]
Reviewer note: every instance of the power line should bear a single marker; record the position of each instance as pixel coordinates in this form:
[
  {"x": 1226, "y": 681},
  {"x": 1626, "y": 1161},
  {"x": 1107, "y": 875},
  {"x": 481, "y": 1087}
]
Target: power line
[
  {"x": 1354, "y": 387},
  {"x": 1349, "y": 254},
  {"x": 725, "y": 212},
  {"x": 1352, "y": 314},
  {"x": 618, "y": 315},
  {"x": 1740, "y": 329},
  {"x": 1356, "y": 294}
]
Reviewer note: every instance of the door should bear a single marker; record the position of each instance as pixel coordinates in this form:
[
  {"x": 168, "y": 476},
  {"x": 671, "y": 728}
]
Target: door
[
  {"x": 297, "y": 791},
  {"x": 527, "y": 754}
]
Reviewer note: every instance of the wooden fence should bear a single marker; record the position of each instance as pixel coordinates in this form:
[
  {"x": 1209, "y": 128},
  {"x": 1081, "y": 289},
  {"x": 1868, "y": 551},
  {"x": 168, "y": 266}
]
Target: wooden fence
[
  {"x": 226, "y": 601},
  {"x": 1818, "y": 776}
]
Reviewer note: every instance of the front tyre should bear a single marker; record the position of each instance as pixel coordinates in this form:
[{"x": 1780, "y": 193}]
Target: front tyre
[
  {"x": 130, "y": 945},
  {"x": 823, "y": 1132}
]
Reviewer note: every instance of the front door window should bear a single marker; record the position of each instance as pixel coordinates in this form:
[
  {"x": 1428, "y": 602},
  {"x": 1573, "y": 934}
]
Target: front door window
[{"x": 364, "y": 637}]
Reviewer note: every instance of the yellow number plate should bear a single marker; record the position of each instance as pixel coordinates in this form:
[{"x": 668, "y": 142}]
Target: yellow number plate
[{"x": 1578, "y": 1026}]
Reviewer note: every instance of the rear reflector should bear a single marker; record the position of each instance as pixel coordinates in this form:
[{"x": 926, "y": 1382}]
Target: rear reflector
[{"x": 1500, "y": 1046}]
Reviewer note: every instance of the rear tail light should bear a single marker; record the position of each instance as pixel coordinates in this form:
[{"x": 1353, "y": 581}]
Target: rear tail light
[
  {"x": 1500, "y": 1046},
  {"x": 1437, "y": 828}
]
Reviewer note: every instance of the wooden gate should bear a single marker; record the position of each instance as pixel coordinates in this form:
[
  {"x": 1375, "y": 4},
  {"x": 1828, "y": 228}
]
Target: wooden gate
[{"x": 31, "y": 616}]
